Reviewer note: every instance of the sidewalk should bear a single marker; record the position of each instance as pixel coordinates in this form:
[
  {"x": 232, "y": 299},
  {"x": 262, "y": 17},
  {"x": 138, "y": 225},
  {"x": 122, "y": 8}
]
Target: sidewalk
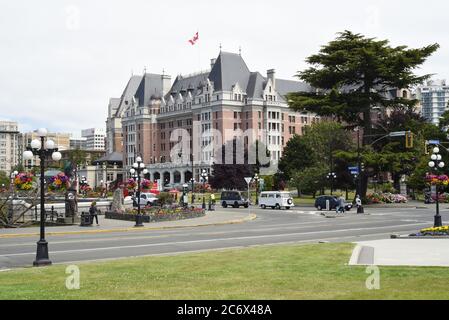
[
  {"x": 108, "y": 225},
  {"x": 402, "y": 252}
]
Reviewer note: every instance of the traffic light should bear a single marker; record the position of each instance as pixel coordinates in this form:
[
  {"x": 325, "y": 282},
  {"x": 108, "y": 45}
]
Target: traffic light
[{"x": 409, "y": 140}]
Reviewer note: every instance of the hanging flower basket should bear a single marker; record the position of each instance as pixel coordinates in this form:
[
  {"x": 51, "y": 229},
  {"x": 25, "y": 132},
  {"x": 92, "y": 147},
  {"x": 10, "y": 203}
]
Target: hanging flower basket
[
  {"x": 24, "y": 181},
  {"x": 59, "y": 182},
  {"x": 146, "y": 184},
  {"x": 435, "y": 180},
  {"x": 131, "y": 184}
]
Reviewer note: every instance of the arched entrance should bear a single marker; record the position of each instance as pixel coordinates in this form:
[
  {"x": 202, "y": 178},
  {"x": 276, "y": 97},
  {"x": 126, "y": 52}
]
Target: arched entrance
[
  {"x": 188, "y": 176},
  {"x": 166, "y": 178},
  {"x": 177, "y": 177}
]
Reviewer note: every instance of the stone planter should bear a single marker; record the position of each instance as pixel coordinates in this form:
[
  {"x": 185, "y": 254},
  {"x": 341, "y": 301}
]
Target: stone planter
[{"x": 154, "y": 217}]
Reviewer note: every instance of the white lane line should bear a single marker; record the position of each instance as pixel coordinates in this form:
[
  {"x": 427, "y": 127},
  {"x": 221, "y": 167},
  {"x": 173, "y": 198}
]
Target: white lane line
[
  {"x": 208, "y": 240},
  {"x": 294, "y": 226}
]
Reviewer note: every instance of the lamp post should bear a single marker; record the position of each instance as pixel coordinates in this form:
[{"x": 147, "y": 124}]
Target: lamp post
[
  {"x": 12, "y": 195},
  {"x": 137, "y": 169},
  {"x": 256, "y": 178},
  {"x": 42, "y": 148},
  {"x": 331, "y": 176},
  {"x": 193, "y": 190},
  {"x": 204, "y": 176},
  {"x": 105, "y": 168},
  {"x": 435, "y": 164}
]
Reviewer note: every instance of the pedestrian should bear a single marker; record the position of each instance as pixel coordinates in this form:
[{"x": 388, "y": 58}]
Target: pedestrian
[
  {"x": 358, "y": 202},
  {"x": 341, "y": 203},
  {"x": 93, "y": 212},
  {"x": 212, "y": 197}
]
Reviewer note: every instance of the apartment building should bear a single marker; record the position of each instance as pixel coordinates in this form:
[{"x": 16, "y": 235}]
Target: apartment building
[{"x": 9, "y": 146}]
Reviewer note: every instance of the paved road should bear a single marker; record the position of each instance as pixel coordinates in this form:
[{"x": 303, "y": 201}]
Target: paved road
[{"x": 271, "y": 227}]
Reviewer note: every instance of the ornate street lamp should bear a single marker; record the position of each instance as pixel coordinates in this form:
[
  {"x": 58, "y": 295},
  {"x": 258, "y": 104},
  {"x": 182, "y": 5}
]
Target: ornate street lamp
[
  {"x": 42, "y": 148},
  {"x": 138, "y": 169},
  {"x": 204, "y": 176},
  {"x": 435, "y": 164},
  {"x": 332, "y": 176},
  {"x": 256, "y": 178}
]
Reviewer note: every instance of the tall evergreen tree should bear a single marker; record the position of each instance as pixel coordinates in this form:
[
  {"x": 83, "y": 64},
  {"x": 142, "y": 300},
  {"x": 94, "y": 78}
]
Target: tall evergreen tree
[{"x": 353, "y": 74}]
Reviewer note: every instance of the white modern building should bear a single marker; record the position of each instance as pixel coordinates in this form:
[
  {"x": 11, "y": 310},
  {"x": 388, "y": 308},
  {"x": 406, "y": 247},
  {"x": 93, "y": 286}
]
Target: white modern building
[
  {"x": 434, "y": 98},
  {"x": 9, "y": 146},
  {"x": 78, "y": 143},
  {"x": 95, "y": 138}
]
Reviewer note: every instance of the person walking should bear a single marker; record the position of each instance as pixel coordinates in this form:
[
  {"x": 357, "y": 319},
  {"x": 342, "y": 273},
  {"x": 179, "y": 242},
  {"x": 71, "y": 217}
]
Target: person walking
[
  {"x": 358, "y": 202},
  {"x": 93, "y": 212},
  {"x": 341, "y": 203}
]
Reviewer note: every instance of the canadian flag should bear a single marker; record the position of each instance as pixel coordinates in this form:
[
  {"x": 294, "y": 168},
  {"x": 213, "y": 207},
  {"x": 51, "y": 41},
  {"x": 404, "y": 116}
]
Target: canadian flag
[{"x": 194, "y": 39}]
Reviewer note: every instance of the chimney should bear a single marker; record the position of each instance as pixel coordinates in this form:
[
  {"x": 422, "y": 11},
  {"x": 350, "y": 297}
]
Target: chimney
[
  {"x": 271, "y": 74},
  {"x": 166, "y": 84},
  {"x": 212, "y": 63}
]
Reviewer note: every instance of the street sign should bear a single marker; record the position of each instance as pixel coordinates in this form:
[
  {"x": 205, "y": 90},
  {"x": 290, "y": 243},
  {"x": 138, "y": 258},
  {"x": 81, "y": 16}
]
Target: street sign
[
  {"x": 355, "y": 172},
  {"x": 353, "y": 168},
  {"x": 248, "y": 180},
  {"x": 397, "y": 134},
  {"x": 436, "y": 142}
]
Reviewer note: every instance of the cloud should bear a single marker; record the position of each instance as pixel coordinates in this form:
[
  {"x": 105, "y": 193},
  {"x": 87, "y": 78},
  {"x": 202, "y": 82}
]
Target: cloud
[{"x": 61, "y": 61}]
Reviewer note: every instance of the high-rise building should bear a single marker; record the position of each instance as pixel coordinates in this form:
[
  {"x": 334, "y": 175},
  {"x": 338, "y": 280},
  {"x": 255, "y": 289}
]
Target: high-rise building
[
  {"x": 9, "y": 146},
  {"x": 95, "y": 138},
  {"x": 229, "y": 99},
  {"x": 61, "y": 140},
  {"x": 434, "y": 97}
]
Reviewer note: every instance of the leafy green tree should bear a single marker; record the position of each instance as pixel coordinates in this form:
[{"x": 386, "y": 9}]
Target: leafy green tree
[
  {"x": 297, "y": 155},
  {"x": 354, "y": 74},
  {"x": 4, "y": 180},
  {"x": 310, "y": 180},
  {"x": 318, "y": 146}
]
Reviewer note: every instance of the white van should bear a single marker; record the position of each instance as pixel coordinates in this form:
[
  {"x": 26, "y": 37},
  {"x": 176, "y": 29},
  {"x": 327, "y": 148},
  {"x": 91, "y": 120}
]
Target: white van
[{"x": 276, "y": 200}]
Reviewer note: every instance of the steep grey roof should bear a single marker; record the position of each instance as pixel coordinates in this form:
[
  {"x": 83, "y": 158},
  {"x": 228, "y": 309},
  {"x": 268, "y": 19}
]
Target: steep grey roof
[
  {"x": 228, "y": 70},
  {"x": 188, "y": 83},
  {"x": 128, "y": 94},
  {"x": 114, "y": 104},
  {"x": 150, "y": 85},
  {"x": 255, "y": 85},
  {"x": 110, "y": 158},
  {"x": 283, "y": 87}
]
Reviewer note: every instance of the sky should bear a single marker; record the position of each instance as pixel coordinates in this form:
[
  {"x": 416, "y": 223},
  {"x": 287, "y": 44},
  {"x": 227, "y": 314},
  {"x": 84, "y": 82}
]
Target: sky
[{"x": 61, "y": 61}]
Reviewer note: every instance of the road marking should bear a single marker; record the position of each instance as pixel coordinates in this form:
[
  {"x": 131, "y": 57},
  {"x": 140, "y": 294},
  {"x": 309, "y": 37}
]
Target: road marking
[{"x": 207, "y": 240}]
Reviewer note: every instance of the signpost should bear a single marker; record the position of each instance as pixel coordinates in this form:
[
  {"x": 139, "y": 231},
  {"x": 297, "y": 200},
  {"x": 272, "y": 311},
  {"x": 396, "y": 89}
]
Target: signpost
[{"x": 248, "y": 181}]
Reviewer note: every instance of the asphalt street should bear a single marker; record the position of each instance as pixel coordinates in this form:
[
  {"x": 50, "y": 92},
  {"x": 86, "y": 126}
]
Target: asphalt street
[{"x": 299, "y": 225}]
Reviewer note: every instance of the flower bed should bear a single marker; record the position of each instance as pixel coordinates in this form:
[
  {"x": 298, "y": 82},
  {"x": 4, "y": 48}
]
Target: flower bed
[
  {"x": 376, "y": 198},
  {"x": 158, "y": 214},
  {"x": 433, "y": 232}
]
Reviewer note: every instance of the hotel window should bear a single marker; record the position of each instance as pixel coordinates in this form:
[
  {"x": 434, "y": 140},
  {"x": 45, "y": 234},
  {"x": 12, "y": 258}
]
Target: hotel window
[
  {"x": 260, "y": 115},
  {"x": 235, "y": 115}
]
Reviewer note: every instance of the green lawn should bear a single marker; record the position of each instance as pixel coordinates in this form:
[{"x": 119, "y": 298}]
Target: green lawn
[{"x": 274, "y": 272}]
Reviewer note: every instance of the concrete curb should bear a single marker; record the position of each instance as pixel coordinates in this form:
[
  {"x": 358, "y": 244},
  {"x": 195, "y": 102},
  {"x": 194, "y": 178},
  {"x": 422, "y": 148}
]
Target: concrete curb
[
  {"x": 251, "y": 217},
  {"x": 362, "y": 256}
]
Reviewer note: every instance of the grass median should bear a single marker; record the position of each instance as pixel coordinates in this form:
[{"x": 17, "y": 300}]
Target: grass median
[{"x": 317, "y": 271}]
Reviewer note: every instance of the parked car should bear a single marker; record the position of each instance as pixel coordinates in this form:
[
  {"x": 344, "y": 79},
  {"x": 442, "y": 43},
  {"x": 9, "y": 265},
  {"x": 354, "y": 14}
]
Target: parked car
[
  {"x": 234, "y": 199},
  {"x": 276, "y": 200},
  {"x": 146, "y": 199},
  {"x": 321, "y": 203}
]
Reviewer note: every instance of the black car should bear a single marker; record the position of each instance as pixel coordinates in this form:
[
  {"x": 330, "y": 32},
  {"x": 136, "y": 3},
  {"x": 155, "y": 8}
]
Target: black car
[
  {"x": 321, "y": 203},
  {"x": 234, "y": 199}
]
